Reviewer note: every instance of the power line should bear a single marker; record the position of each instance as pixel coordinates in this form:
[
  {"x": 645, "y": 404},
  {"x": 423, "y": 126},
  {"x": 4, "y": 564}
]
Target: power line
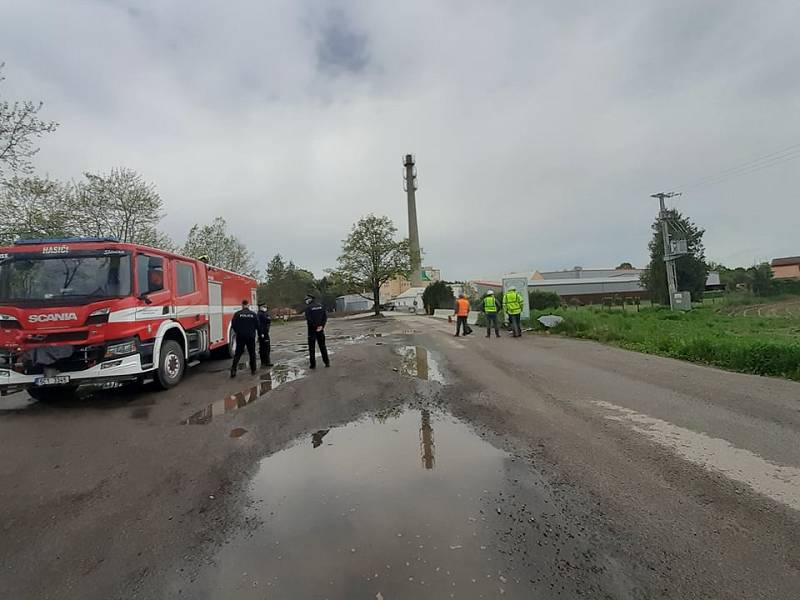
[
  {"x": 768, "y": 160},
  {"x": 748, "y": 171},
  {"x": 788, "y": 151}
]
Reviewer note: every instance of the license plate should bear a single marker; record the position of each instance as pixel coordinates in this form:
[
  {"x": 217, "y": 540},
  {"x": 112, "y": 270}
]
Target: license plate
[{"x": 58, "y": 380}]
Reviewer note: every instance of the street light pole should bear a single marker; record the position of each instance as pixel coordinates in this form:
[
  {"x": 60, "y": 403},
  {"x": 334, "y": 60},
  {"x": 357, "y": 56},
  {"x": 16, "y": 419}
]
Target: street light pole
[{"x": 669, "y": 259}]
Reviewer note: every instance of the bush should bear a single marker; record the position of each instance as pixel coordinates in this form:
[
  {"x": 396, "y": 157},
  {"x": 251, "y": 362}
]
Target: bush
[
  {"x": 786, "y": 286},
  {"x": 540, "y": 300},
  {"x": 438, "y": 295}
]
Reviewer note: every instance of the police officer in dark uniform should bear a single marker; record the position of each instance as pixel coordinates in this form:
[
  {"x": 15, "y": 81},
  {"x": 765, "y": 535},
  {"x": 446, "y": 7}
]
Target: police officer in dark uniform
[
  {"x": 245, "y": 326},
  {"x": 316, "y": 317},
  {"x": 264, "y": 321}
]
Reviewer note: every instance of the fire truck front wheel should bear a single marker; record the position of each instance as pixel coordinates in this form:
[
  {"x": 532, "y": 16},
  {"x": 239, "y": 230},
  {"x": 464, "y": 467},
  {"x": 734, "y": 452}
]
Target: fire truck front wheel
[{"x": 171, "y": 365}]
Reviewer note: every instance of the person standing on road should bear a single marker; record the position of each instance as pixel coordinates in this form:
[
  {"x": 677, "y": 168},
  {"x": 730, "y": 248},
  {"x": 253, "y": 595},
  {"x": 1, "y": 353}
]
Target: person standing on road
[
  {"x": 316, "y": 318},
  {"x": 513, "y": 303},
  {"x": 264, "y": 322},
  {"x": 491, "y": 306},
  {"x": 245, "y": 327},
  {"x": 461, "y": 312}
]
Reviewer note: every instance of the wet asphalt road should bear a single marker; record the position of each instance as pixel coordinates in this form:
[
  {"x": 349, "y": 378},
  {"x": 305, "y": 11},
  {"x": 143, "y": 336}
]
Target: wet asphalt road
[{"x": 418, "y": 466}]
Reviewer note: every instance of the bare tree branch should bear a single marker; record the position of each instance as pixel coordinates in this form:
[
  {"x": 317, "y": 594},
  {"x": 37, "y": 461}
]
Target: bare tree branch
[{"x": 19, "y": 128}]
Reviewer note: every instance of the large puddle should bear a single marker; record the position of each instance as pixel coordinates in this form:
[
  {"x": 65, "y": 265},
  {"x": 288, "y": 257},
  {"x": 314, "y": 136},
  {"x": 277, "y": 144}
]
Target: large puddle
[
  {"x": 393, "y": 506},
  {"x": 275, "y": 377},
  {"x": 417, "y": 361}
]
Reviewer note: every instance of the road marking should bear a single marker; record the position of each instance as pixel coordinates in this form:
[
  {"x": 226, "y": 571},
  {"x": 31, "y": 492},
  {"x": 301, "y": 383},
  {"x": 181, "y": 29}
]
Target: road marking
[{"x": 778, "y": 482}]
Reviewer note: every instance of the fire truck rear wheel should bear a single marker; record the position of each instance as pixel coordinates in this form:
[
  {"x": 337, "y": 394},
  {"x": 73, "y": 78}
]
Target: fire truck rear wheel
[{"x": 171, "y": 365}]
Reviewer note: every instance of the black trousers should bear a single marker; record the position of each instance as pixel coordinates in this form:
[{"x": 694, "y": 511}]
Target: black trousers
[
  {"x": 264, "y": 348},
  {"x": 317, "y": 338},
  {"x": 491, "y": 320},
  {"x": 241, "y": 344},
  {"x": 462, "y": 326},
  {"x": 516, "y": 327}
]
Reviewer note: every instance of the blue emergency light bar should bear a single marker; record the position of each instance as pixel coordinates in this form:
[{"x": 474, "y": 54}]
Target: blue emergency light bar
[{"x": 66, "y": 240}]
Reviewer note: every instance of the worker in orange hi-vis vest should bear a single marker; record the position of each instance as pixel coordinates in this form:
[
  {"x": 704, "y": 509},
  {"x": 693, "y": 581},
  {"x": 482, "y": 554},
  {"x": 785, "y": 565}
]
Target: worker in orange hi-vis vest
[{"x": 461, "y": 313}]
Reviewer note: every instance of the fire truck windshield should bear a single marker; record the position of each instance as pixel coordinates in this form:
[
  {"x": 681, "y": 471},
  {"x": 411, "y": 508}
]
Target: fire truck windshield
[{"x": 45, "y": 280}]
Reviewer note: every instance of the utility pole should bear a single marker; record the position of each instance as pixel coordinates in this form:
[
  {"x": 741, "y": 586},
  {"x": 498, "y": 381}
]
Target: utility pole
[
  {"x": 410, "y": 185},
  {"x": 669, "y": 258}
]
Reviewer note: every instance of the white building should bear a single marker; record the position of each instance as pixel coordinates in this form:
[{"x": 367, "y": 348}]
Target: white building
[{"x": 410, "y": 300}]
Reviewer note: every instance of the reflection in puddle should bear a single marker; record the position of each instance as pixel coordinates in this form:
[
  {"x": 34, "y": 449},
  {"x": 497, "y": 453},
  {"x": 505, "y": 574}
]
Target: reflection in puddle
[
  {"x": 428, "y": 448},
  {"x": 417, "y": 361},
  {"x": 365, "y": 518},
  {"x": 279, "y": 375}
]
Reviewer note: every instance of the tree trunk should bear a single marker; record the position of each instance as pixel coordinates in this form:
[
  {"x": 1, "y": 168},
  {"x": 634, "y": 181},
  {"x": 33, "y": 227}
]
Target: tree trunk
[{"x": 376, "y": 298}]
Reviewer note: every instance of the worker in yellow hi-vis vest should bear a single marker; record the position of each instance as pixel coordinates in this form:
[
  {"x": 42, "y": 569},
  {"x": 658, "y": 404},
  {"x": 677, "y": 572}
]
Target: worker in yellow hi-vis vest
[
  {"x": 513, "y": 302},
  {"x": 491, "y": 306}
]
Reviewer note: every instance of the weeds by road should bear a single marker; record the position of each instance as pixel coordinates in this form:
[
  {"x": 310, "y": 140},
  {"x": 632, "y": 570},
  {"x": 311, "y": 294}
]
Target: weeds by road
[{"x": 766, "y": 344}]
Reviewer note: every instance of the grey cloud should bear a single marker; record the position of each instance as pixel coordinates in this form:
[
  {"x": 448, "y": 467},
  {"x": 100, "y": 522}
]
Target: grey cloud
[
  {"x": 340, "y": 46},
  {"x": 540, "y": 128}
]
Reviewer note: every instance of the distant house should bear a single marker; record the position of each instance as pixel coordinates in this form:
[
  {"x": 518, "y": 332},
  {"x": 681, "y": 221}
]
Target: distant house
[
  {"x": 786, "y": 268},
  {"x": 714, "y": 283},
  {"x": 400, "y": 285}
]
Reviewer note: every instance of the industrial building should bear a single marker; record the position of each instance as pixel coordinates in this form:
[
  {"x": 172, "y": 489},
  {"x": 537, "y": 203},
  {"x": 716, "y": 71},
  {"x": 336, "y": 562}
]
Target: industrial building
[{"x": 588, "y": 286}]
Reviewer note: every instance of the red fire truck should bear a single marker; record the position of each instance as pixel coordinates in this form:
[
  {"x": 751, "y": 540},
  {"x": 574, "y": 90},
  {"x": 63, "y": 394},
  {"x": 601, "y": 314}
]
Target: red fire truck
[{"x": 79, "y": 311}]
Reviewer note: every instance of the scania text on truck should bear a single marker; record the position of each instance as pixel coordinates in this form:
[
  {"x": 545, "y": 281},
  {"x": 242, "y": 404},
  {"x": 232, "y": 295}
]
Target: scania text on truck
[{"x": 81, "y": 311}]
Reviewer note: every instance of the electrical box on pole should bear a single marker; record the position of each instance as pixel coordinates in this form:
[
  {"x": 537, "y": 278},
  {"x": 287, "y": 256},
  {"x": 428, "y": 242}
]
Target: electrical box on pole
[
  {"x": 682, "y": 301},
  {"x": 678, "y": 247},
  {"x": 669, "y": 254}
]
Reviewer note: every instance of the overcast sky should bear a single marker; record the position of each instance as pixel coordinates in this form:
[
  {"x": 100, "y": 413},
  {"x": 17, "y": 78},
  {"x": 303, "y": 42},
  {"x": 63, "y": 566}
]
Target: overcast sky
[{"x": 540, "y": 128}]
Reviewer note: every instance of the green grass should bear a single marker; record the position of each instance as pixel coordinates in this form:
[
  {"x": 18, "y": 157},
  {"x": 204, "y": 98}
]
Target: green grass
[{"x": 768, "y": 345}]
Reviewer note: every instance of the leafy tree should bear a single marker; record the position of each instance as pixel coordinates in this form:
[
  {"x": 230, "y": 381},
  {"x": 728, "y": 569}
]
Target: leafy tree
[
  {"x": 438, "y": 295},
  {"x": 276, "y": 268},
  {"x": 330, "y": 287},
  {"x": 286, "y": 285},
  {"x": 761, "y": 278},
  {"x": 371, "y": 256},
  {"x": 33, "y": 207},
  {"x": 19, "y": 127},
  {"x": 120, "y": 205},
  {"x": 626, "y": 266},
  {"x": 691, "y": 268},
  {"x": 734, "y": 278},
  {"x": 222, "y": 249}
]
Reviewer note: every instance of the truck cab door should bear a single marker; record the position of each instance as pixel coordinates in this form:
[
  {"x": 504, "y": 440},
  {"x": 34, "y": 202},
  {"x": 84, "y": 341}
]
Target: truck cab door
[{"x": 152, "y": 288}]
